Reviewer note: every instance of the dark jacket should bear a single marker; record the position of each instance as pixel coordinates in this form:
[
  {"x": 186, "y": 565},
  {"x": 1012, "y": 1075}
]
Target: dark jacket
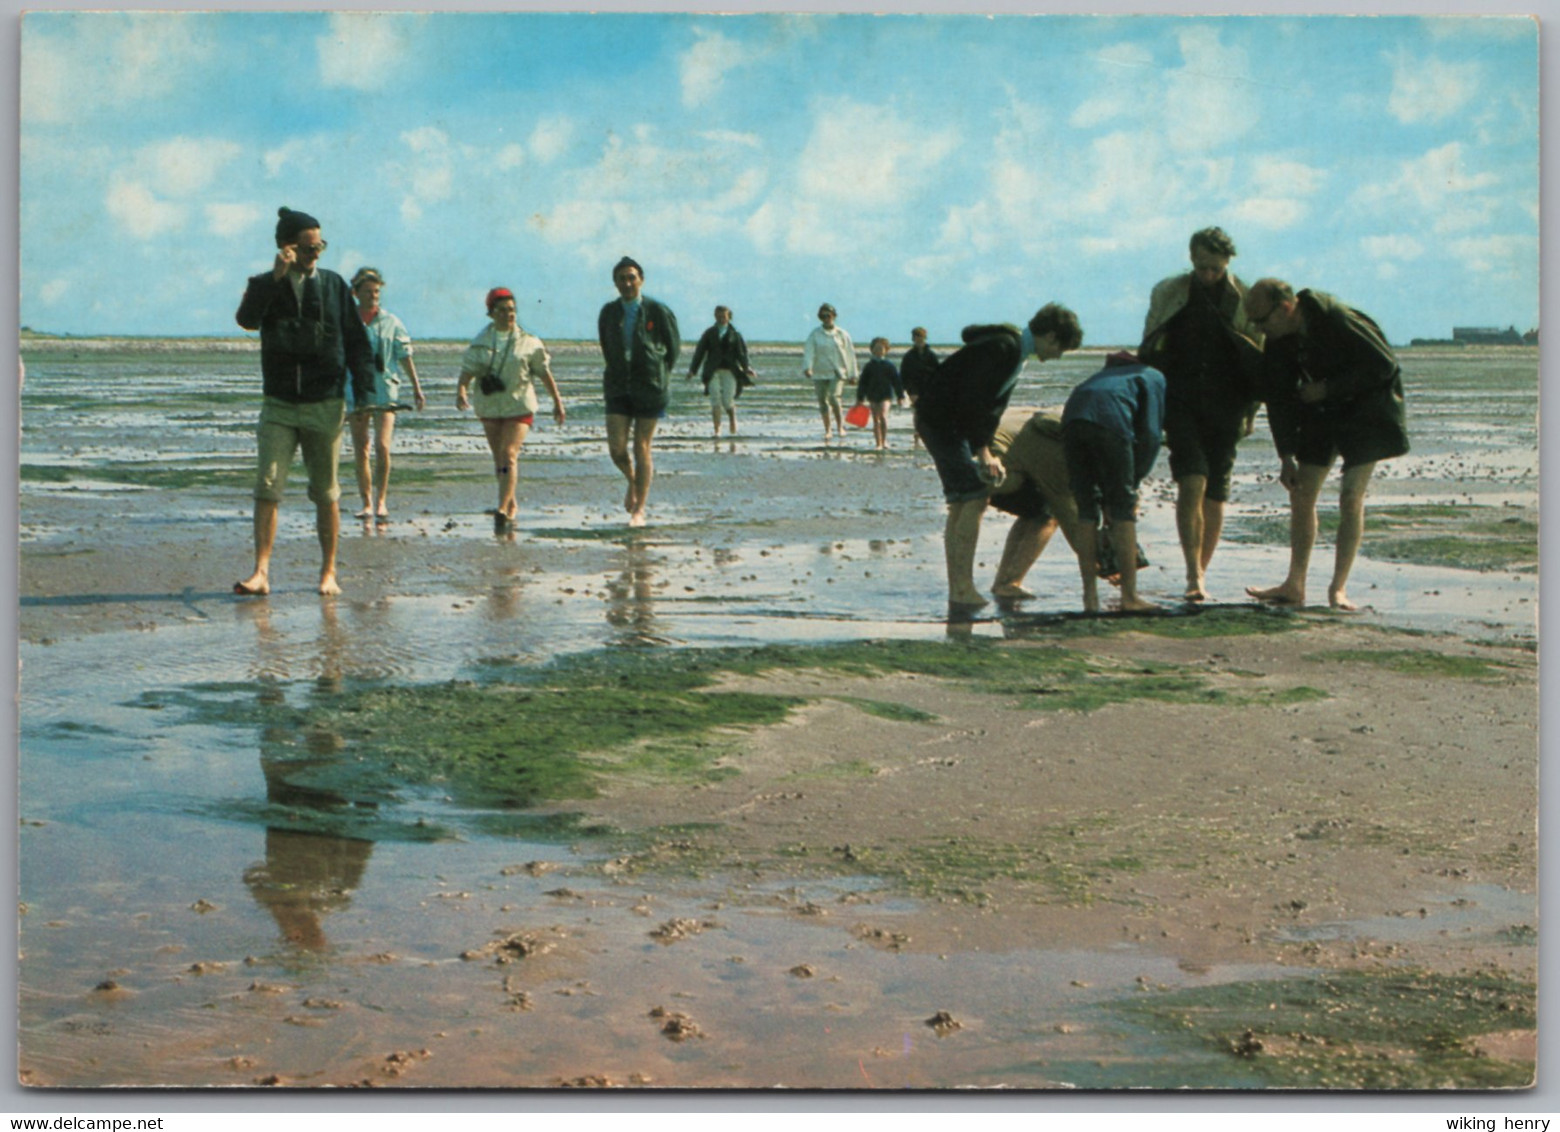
[
  {"x": 968, "y": 392},
  {"x": 914, "y": 367},
  {"x": 646, "y": 372},
  {"x": 1343, "y": 347},
  {"x": 717, "y": 351},
  {"x": 879, "y": 381},
  {"x": 305, "y": 375}
]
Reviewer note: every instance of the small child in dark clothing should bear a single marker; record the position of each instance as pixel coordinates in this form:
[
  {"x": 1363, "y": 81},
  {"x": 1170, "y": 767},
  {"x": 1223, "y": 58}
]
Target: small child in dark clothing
[{"x": 877, "y": 386}]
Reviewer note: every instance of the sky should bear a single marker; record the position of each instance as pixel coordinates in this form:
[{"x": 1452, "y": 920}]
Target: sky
[{"x": 931, "y": 170}]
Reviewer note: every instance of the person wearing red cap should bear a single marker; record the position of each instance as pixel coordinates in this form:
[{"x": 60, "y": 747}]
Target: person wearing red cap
[
  {"x": 311, "y": 337},
  {"x": 505, "y": 362}
]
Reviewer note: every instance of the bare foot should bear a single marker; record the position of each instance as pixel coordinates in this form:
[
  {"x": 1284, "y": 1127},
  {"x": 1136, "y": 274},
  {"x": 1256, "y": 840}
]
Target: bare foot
[
  {"x": 1339, "y": 600},
  {"x": 1196, "y": 591},
  {"x": 1013, "y": 591},
  {"x": 256, "y": 585},
  {"x": 970, "y": 597},
  {"x": 637, "y": 519},
  {"x": 1278, "y": 595},
  {"x": 1137, "y": 605},
  {"x": 366, "y": 513},
  {"x": 328, "y": 586},
  {"x": 630, "y": 500}
]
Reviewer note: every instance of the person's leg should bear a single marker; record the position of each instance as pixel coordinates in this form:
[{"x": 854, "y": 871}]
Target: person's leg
[
  {"x": 880, "y": 424},
  {"x": 384, "y": 433},
  {"x": 327, "y": 527},
  {"x": 1302, "y": 536},
  {"x": 644, "y": 467},
  {"x": 837, "y": 407},
  {"x": 1026, "y": 540},
  {"x": 276, "y": 444},
  {"x": 618, "y": 426},
  {"x": 320, "y": 443},
  {"x": 1189, "y": 525},
  {"x": 821, "y": 388},
  {"x": 511, "y": 440},
  {"x": 961, "y": 534},
  {"x": 1351, "y": 528},
  {"x": 493, "y": 432},
  {"x": 1123, "y": 537},
  {"x": 1212, "y": 528},
  {"x": 1088, "y": 563},
  {"x": 259, "y": 582},
  {"x": 715, "y": 406},
  {"x": 360, "y": 459}
]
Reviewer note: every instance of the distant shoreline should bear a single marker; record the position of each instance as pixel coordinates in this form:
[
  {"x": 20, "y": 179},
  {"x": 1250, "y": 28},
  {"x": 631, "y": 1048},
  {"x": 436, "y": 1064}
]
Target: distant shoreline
[{"x": 35, "y": 340}]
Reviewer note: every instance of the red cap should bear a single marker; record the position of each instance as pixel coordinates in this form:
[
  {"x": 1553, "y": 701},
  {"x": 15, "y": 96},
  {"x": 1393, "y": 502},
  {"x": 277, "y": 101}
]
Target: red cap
[{"x": 496, "y": 294}]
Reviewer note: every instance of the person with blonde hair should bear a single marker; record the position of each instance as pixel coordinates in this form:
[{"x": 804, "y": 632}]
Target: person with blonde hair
[{"x": 392, "y": 347}]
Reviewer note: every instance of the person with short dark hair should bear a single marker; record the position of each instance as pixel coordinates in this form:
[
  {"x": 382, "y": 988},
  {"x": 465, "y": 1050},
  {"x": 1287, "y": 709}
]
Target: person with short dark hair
[
  {"x": 1197, "y": 335},
  {"x": 878, "y": 386},
  {"x": 918, "y": 361},
  {"x": 726, "y": 372},
  {"x": 640, "y": 344},
  {"x": 960, "y": 407},
  {"x": 1111, "y": 428},
  {"x": 311, "y": 339},
  {"x": 1333, "y": 387},
  {"x": 505, "y": 361},
  {"x": 392, "y": 347}
]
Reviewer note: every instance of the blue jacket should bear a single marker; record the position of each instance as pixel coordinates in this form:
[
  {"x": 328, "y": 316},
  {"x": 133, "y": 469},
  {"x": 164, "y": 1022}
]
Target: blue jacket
[
  {"x": 1128, "y": 399},
  {"x": 271, "y": 307},
  {"x": 647, "y": 369}
]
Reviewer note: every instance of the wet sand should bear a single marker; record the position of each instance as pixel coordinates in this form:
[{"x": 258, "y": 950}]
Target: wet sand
[{"x": 900, "y": 847}]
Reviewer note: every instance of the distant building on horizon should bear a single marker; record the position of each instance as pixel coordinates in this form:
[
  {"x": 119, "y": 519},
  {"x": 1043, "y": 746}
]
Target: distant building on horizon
[{"x": 1481, "y": 336}]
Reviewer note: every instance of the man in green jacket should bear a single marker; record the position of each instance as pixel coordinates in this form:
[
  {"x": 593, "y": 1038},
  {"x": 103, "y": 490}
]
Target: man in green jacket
[
  {"x": 640, "y": 344},
  {"x": 1333, "y": 387}
]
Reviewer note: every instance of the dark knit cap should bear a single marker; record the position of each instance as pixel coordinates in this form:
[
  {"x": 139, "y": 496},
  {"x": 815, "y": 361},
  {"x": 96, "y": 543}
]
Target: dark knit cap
[
  {"x": 627, "y": 262},
  {"x": 290, "y": 223}
]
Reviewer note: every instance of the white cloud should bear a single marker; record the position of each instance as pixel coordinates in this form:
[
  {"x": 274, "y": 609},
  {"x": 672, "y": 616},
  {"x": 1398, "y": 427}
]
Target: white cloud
[
  {"x": 277, "y": 159},
  {"x": 1428, "y": 90},
  {"x": 512, "y": 156},
  {"x": 1275, "y": 176},
  {"x": 1437, "y": 186},
  {"x": 1207, "y": 102},
  {"x": 231, "y": 219},
  {"x": 365, "y": 50},
  {"x": 1274, "y": 213},
  {"x": 426, "y": 139},
  {"x": 54, "y": 290},
  {"x": 550, "y": 138},
  {"x": 732, "y": 137},
  {"x": 74, "y": 64},
  {"x": 1501, "y": 256},
  {"x": 1392, "y": 247},
  {"x": 184, "y": 166},
  {"x": 835, "y": 165},
  {"x": 139, "y": 211},
  {"x": 702, "y": 68}
]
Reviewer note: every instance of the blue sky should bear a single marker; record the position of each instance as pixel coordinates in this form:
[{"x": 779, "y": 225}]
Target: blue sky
[{"x": 910, "y": 169}]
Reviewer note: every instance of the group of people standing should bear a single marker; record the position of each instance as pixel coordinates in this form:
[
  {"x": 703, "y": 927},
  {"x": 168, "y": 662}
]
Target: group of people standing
[{"x": 1212, "y": 350}]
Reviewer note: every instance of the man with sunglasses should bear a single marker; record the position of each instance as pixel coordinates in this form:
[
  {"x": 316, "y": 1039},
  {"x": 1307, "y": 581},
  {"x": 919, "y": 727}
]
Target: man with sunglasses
[
  {"x": 311, "y": 336},
  {"x": 1333, "y": 387}
]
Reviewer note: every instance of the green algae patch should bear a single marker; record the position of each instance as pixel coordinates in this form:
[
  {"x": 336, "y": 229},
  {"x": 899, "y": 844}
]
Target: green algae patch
[
  {"x": 887, "y": 709},
  {"x": 1418, "y": 662},
  {"x": 1187, "y": 622},
  {"x": 1353, "y": 1029},
  {"x": 1471, "y": 537}
]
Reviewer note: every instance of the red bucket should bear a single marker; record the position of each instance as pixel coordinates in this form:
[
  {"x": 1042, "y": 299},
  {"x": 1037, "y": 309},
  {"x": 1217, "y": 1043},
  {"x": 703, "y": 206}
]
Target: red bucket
[{"x": 859, "y": 415}]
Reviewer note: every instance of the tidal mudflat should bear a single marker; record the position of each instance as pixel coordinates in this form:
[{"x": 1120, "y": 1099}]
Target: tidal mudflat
[{"x": 727, "y": 802}]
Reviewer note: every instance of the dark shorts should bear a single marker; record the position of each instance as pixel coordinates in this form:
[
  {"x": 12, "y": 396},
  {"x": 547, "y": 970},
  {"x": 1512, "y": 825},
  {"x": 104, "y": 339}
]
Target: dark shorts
[
  {"x": 1202, "y": 446},
  {"x": 1362, "y": 433},
  {"x": 1025, "y": 503},
  {"x": 956, "y": 467},
  {"x": 638, "y": 406},
  {"x": 1100, "y": 467}
]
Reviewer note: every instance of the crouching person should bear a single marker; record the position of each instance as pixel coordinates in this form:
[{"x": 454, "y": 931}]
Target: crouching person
[{"x": 1111, "y": 428}]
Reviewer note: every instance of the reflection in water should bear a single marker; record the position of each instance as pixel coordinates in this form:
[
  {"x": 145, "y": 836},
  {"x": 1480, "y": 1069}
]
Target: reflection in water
[
  {"x": 306, "y": 874},
  {"x": 631, "y": 597},
  {"x": 503, "y": 600}
]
